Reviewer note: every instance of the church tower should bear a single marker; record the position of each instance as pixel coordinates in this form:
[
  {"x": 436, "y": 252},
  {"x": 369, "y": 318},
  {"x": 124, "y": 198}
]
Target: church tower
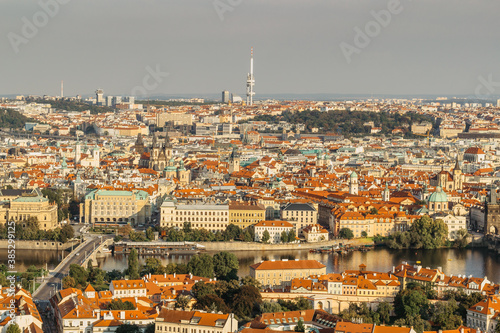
[
  {"x": 386, "y": 194},
  {"x": 78, "y": 152},
  {"x": 457, "y": 176},
  {"x": 234, "y": 161},
  {"x": 353, "y": 183}
]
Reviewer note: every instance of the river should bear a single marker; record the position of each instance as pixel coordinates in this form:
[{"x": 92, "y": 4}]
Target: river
[{"x": 475, "y": 262}]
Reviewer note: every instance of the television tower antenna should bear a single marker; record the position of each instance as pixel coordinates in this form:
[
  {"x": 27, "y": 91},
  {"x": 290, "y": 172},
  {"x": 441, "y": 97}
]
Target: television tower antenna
[
  {"x": 250, "y": 81},
  {"x": 62, "y": 89}
]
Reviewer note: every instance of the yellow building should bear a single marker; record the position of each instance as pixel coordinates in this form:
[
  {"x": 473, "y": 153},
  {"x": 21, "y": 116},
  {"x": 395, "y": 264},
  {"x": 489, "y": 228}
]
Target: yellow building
[
  {"x": 30, "y": 205},
  {"x": 117, "y": 207},
  {"x": 246, "y": 214},
  {"x": 281, "y": 272},
  {"x": 210, "y": 217}
]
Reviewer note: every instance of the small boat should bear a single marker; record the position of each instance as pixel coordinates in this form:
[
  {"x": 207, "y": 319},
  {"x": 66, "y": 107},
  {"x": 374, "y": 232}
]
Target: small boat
[
  {"x": 450, "y": 259},
  {"x": 418, "y": 262}
]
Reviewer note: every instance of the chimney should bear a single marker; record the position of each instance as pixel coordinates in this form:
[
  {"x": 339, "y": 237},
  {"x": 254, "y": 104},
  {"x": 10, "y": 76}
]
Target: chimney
[
  {"x": 174, "y": 275},
  {"x": 165, "y": 275},
  {"x": 122, "y": 315},
  {"x": 190, "y": 275}
]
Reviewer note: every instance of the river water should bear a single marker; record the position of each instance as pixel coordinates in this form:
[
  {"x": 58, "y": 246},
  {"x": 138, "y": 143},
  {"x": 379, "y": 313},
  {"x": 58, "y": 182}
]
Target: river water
[{"x": 475, "y": 262}]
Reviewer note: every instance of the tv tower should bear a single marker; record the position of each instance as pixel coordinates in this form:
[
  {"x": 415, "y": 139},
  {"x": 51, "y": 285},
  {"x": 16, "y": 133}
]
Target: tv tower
[
  {"x": 250, "y": 81},
  {"x": 62, "y": 89}
]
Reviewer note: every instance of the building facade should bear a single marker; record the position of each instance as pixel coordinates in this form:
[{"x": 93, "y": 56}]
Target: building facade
[{"x": 210, "y": 217}]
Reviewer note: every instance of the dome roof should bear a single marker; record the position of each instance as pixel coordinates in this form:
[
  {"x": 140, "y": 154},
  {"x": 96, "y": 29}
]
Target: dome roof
[
  {"x": 438, "y": 196},
  {"x": 354, "y": 175}
]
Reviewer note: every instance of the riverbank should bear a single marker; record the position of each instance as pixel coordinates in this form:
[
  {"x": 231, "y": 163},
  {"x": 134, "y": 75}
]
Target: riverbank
[
  {"x": 252, "y": 246},
  {"x": 39, "y": 245}
]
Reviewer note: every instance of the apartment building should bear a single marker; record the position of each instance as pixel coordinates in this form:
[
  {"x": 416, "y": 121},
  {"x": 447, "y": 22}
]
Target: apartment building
[
  {"x": 26, "y": 316},
  {"x": 300, "y": 214},
  {"x": 109, "y": 207},
  {"x": 201, "y": 216},
  {"x": 485, "y": 315},
  {"x": 281, "y": 272},
  {"x": 128, "y": 288},
  {"x": 274, "y": 228},
  {"x": 246, "y": 214},
  {"x": 195, "y": 322}
]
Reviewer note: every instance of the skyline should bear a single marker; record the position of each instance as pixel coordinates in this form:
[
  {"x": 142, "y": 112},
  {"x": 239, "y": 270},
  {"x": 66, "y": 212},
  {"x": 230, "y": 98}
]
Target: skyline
[{"x": 296, "y": 52}]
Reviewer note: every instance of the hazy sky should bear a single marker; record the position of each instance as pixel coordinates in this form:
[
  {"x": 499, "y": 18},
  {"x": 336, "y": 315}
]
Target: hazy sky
[{"x": 428, "y": 47}]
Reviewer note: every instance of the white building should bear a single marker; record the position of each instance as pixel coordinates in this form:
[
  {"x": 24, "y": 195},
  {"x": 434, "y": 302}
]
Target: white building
[
  {"x": 210, "y": 217},
  {"x": 274, "y": 228}
]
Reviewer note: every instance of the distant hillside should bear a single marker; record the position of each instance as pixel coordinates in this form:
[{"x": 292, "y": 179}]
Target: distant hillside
[
  {"x": 347, "y": 122},
  {"x": 13, "y": 119},
  {"x": 173, "y": 103},
  {"x": 74, "y": 106}
]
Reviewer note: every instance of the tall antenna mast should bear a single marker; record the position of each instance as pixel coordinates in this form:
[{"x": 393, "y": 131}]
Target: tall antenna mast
[
  {"x": 62, "y": 89},
  {"x": 250, "y": 81}
]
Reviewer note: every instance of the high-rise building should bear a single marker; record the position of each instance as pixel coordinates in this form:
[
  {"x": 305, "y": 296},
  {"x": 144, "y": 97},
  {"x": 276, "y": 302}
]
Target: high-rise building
[
  {"x": 498, "y": 103},
  {"x": 250, "y": 81},
  {"x": 109, "y": 101},
  {"x": 99, "y": 97},
  {"x": 117, "y": 100},
  {"x": 225, "y": 96}
]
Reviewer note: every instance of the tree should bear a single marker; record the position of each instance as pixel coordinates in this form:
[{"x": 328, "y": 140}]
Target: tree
[
  {"x": 211, "y": 302},
  {"x": 246, "y": 301},
  {"x": 133, "y": 265},
  {"x": 461, "y": 239},
  {"x": 68, "y": 282},
  {"x": 153, "y": 266},
  {"x": 79, "y": 274},
  {"x": 346, "y": 233},
  {"x": 182, "y": 301},
  {"x": 302, "y": 303},
  {"x": 411, "y": 303},
  {"x": 265, "y": 236},
  {"x": 201, "y": 289},
  {"x": 225, "y": 266},
  {"x": 364, "y": 234},
  {"x": 67, "y": 232},
  {"x": 284, "y": 237},
  {"x": 270, "y": 307},
  {"x": 150, "y": 328},
  {"x": 117, "y": 304},
  {"x": 291, "y": 236},
  {"x": 444, "y": 315},
  {"x": 128, "y": 328},
  {"x": 497, "y": 327},
  {"x": 300, "y": 326},
  {"x": 124, "y": 230},
  {"x": 250, "y": 281},
  {"x": 13, "y": 328},
  {"x": 150, "y": 234},
  {"x": 201, "y": 265},
  {"x": 384, "y": 310}
]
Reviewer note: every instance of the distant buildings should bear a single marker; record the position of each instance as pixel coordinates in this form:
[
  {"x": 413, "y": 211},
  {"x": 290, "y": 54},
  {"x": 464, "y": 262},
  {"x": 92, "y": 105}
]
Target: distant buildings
[{"x": 281, "y": 272}]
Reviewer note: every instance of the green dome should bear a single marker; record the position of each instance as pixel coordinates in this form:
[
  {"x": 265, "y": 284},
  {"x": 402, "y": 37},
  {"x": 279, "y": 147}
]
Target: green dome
[
  {"x": 354, "y": 174},
  {"x": 438, "y": 196}
]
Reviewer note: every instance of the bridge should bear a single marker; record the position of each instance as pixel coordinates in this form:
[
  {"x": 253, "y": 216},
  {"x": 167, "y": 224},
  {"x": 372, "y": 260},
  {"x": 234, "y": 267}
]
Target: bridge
[
  {"x": 97, "y": 253},
  {"x": 158, "y": 247}
]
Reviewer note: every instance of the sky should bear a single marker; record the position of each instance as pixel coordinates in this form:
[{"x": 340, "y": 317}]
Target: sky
[{"x": 438, "y": 47}]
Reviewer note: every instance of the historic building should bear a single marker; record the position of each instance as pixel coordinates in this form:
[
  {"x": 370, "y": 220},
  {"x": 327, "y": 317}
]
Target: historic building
[
  {"x": 103, "y": 207},
  {"x": 449, "y": 181},
  {"x": 246, "y": 214},
  {"x": 29, "y": 205},
  {"x": 492, "y": 213},
  {"x": 160, "y": 158},
  {"x": 281, "y": 272},
  {"x": 210, "y": 217}
]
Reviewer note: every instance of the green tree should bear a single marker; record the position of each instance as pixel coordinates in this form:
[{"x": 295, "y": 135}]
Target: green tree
[
  {"x": 265, "y": 236},
  {"x": 68, "y": 282},
  {"x": 497, "y": 327},
  {"x": 150, "y": 328},
  {"x": 291, "y": 236},
  {"x": 346, "y": 233},
  {"x": 250, "y": 281},
  {"x": 201, "y": 289},
  {"x": 150, "y": 234},
  {"x": 444, "y": 315},
  {"x": 118, "y": 304},
  {"x": 284, "y": 237},
  {"x": 182, "y": 301},
  {"x": 133, "y": 264},
  {"x": 302, "y": 303},
  {"x": 270, "y": 307},
  {"x": 211, "y": 302},
  {"x": 364, "y": 234},
  {"x": 411, "y": 303},
  {"x": 246, "y": 301},
  {"x": 153, "y": 266},
  {"x": 225, "y": 265},
  {"x": 79, "y": 274},
  {"x": 300, "y": 326},
  {"x": 67, "y": 232},
  {"x": 384, "y": 310},
  {"x": 13, "y": 328},
  {"x": 201, "y": 265}
]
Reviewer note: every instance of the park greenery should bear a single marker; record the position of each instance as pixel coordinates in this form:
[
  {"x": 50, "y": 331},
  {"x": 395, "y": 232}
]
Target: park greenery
[
  {"x": 66, "y": 207},
  {"x": 30, "y": 230},
  {"x": 346, "y": 233},
  {"x": 412, "y": 307},
  {"x": 25, "y": 278},
  {"x": 13, "y": 119},
  {"x": 424, "y": 233},
  {"x": 348, "y": 122}
]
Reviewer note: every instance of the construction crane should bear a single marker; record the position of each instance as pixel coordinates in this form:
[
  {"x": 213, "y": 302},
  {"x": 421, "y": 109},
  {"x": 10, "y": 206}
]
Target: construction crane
[{"x": 427, "y": 135}]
